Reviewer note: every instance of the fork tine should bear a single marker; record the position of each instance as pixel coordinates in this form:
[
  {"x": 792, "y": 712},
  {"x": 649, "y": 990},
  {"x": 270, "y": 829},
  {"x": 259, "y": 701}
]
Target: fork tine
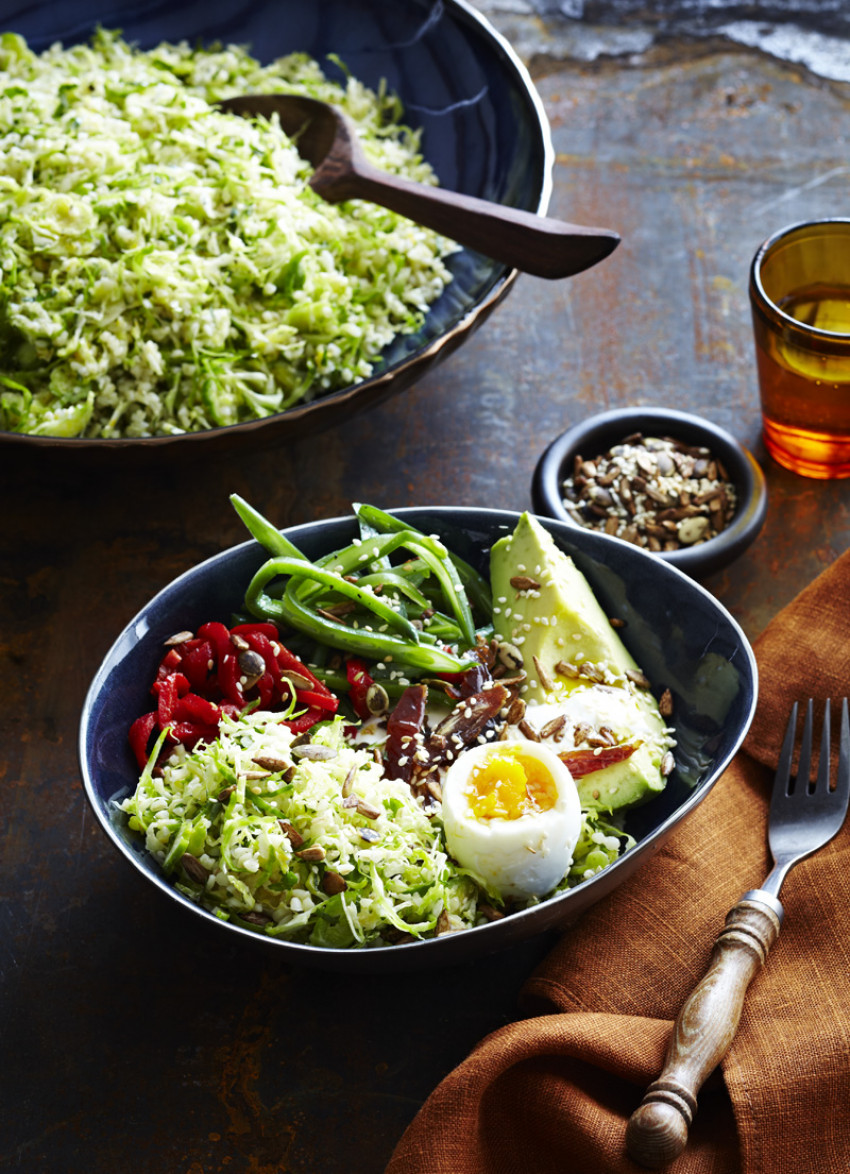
[
  {"x": 822, "y": 781},
  {"x": 804, "y": 762},
  {"x": 842, "y": 783},
  {"x": 783, "y": 768}
]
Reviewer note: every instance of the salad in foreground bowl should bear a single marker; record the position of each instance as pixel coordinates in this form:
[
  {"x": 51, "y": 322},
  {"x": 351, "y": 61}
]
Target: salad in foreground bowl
[{"x": 385, "y": 746}]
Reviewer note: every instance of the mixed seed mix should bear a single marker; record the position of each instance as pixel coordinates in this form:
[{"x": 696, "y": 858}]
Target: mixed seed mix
[{"x": 655, "y": 492}]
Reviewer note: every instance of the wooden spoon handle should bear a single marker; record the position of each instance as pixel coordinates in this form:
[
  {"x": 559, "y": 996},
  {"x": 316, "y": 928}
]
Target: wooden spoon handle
[
  {"x": 530, "y": 243},
  {"x": 658, "y": 1130}
]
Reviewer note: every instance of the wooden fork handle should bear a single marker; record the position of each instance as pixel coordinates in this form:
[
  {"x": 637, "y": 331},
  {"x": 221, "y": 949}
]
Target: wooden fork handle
[{"x": 658, "y": 1129}]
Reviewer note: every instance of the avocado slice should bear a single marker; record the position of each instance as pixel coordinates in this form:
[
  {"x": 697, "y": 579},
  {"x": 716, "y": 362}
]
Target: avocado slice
[{"x": 544, "y": 606}]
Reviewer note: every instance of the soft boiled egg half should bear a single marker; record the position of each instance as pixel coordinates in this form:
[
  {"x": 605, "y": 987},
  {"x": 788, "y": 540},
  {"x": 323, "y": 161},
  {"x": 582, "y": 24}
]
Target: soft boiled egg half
[{"x": 512, "y": 815}]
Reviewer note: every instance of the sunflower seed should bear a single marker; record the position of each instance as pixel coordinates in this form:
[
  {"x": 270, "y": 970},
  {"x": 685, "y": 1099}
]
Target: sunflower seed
[
  {"x": 177, "y": 638},
  {"x": 314, "y": 753},
  {"x": 524, "y": 583},
  {"x": 510, "y": 656},
  {"x": 311, "y": 855},
  {"x": 294, "y": 837},
  {"x": 194, "y": 869}
]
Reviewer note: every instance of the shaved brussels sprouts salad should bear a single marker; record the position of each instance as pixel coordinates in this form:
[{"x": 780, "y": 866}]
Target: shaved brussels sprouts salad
[
  {"x": 164, "y": 265},
  {"x": 292, "y": 764}
]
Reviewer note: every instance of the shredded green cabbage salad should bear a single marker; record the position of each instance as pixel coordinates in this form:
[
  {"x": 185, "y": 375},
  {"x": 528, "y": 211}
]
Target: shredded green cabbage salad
[
  {"x": 393, "y": 860},
  {"x": 234, "y": 841},
  {"x": 324, "y": 826},
  {"x": 164, "y": 266}
]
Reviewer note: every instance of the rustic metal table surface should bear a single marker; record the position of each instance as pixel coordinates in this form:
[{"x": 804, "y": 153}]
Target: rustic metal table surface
[{"x": 134, "y": 1038}]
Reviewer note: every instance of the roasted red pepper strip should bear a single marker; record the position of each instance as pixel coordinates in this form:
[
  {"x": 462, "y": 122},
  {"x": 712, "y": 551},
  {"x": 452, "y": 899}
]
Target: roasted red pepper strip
[
  {"x": 268, "y": 691},
  {"x": 290, "y": 663},
  {"x": 171, "y": 661},
  {"x": 140, "y": 732},
  {"x": 228, "y": 679},
  {"x": 198, "y": 664},
  {"x": 169, "y": 690},
  {"x": 264, "y": 629},
  {"x": 283, "y": 661},
  {"x": 585, "y": 762},
  {"x": 191, "y": 733},
  {"x": 193, "y": 708},
  {"x": 358, "y": 685},
  {"x": 305, "y": 720},
  {"x": 219, "y": 636},
  {"x": 327, "y": 702},
  {"x": 198, "y": 681}
]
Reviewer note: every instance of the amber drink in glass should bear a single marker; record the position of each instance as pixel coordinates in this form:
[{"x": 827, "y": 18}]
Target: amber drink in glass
[{"x": 800, "y": 299}]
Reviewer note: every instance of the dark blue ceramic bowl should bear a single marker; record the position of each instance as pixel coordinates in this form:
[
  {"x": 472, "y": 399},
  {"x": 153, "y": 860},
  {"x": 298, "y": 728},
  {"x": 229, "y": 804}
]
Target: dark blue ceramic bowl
[
  {"x": 483, "y": 130},
  {"x": 680, "y": 635},
  {"x": 595, "y": 435}
]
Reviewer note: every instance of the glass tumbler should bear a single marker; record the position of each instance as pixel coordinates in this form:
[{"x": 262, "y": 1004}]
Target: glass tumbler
[{"x": 800, "y": 301}]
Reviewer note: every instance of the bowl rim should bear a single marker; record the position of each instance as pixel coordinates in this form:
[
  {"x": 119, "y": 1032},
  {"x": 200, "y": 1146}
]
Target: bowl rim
[
  {"x": 768, "y": 309},
  {"x": 605, "y": 428},
  {"x": 377, "y": 386},
  {"x": 451, "y": 947}
]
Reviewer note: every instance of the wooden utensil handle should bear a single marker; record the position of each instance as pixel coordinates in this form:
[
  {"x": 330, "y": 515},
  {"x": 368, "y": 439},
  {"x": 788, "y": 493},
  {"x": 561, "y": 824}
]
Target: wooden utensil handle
[
  {"x": 658, "y": 1130},
  {"x": 533, "y": 244}
]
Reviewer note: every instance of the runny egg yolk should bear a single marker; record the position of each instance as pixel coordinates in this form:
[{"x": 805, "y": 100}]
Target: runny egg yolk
[{"x": 509, "y": 785}]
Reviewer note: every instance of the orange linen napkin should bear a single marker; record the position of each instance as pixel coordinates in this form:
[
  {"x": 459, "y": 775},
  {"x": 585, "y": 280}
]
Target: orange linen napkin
[{"x": 553, "y": 1092}]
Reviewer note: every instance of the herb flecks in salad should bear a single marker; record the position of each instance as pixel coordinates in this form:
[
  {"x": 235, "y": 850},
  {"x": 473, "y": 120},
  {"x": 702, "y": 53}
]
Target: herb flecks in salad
[
  {"x": 164, "y": 265},
  {"x": 301, "y": 768}
]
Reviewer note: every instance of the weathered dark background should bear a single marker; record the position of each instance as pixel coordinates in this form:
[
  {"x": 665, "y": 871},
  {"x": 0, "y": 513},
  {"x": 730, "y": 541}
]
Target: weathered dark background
[{"x": 132, "y": 1038}]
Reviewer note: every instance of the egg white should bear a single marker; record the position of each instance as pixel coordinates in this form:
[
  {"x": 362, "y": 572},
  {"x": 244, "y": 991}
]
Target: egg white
[
  {"x": 599, "y": 705},
  {"x": 519, "y": 858}
]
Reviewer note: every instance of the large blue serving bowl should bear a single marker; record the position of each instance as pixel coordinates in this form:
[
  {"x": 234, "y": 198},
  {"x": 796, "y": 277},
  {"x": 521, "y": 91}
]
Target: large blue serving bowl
[
  {"x": 684, "y": 640},
  {"x": 484, "y": 131}
]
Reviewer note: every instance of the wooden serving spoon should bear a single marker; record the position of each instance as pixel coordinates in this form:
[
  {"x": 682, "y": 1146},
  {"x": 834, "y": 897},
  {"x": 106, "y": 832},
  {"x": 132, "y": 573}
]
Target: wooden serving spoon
[{"x": 326, "y": 138}]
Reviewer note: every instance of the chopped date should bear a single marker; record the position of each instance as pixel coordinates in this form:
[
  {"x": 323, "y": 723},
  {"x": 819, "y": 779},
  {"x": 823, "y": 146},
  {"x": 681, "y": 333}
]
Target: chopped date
[
  {"x": 403, "y": 724},
  {"x": 467, "y": 683},
  {"x": 466, "y": 721}
]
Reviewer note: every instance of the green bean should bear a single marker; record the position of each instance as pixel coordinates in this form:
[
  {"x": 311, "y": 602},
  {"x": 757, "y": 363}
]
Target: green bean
[
  {"x": 390, "y": 579},
  {"x": 256, "y": 597},
  {"x": 472, "y": 581},
  {"x": 446, "y": 573},
  {"x": 262, "y": 529},
  {"x": 338, "y": 683},
  {"x": 353, "y": 557},
  {"x": 441, "y": 627},
  {"x": 476, "y": 586},
  {"x": 368, "y": 531},
  {"x": 298, "y": 593},
  {"x": 372, "y": 645}
]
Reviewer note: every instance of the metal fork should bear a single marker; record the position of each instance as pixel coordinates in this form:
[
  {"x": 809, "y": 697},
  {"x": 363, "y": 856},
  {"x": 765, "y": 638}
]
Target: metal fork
[{"x": 803, "y": 817}]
